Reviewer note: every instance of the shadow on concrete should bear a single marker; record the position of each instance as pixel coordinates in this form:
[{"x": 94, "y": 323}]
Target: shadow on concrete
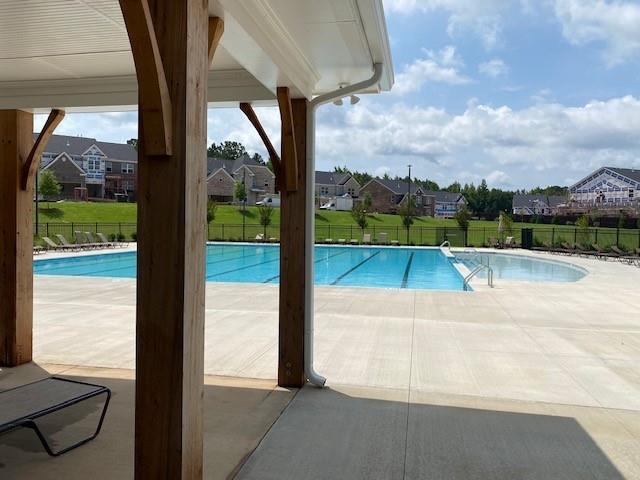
[
  {"x": 236, "y": 418},
  {"x": 329, "y": 434}
]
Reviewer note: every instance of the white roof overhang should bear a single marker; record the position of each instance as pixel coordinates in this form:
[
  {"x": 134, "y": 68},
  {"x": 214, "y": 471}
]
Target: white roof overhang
[{"x": 76, "y": 54}]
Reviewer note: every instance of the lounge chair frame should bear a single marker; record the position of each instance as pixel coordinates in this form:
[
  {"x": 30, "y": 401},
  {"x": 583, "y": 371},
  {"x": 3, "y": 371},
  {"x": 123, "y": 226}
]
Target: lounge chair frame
[{"x": 29, "y": 421}]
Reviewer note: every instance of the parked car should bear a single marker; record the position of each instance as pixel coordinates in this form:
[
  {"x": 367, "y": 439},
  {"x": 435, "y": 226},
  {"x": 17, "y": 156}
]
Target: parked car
[{"x": 274, "y": 202}]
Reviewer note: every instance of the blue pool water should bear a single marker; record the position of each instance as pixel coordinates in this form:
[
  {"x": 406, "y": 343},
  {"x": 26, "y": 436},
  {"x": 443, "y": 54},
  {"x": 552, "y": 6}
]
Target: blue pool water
[
  {"x": 347, "y": 266},
  {"x": 522, "y": 268}
]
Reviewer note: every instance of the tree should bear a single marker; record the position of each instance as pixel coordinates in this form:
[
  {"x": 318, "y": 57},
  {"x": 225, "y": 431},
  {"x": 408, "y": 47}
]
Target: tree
[
  {"x": 582, "y": 234},
  {"x": 455, "y": 187},
  {"x": 406, "y": 211},
  {"x": 367, "y": 201},
  {"x": 463, "y": 217},
  {"x": 227, "y": 150},
  {"x": 48, "y": 186},
  {"x": 212, "y": 207},
  {"x": 240, "y": 192},
  {"x": 266, "y": 213},
  {"x": 133, "y": 142},
  {"x": 359, "y": 214}
]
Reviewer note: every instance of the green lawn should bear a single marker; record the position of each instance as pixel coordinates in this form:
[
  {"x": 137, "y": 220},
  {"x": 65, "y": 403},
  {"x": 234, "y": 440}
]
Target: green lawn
[{"x": 113, "y": 218}]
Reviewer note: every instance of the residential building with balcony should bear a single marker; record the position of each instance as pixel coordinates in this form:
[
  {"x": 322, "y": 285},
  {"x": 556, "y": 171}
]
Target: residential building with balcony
[
  {"x": 224, "y": 174},
  {"x": 87, "y": 168}
]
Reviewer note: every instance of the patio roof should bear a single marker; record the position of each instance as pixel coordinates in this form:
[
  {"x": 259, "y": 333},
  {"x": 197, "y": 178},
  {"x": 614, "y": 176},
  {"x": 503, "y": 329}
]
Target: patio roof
[{"x": 51, "y": 56}]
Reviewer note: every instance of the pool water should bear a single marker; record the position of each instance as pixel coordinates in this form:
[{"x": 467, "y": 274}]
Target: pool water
[
  {"x": 522, "y": 268},
  {"x": 334, "y": 265}
]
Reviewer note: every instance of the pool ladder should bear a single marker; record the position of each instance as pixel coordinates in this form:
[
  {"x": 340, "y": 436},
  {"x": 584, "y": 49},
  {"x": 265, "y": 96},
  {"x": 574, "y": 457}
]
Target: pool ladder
[{"x": 477, "y": 269}]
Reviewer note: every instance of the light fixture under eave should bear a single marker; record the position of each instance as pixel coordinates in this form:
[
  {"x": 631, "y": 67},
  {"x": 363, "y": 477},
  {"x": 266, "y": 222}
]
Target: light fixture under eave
[
  {"x": 354, "y": 99},
  {"x": 338, "y": 102}
]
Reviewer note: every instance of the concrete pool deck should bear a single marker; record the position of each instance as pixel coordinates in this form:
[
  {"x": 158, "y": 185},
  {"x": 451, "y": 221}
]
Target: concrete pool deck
[{"x": 517, "y": 361}]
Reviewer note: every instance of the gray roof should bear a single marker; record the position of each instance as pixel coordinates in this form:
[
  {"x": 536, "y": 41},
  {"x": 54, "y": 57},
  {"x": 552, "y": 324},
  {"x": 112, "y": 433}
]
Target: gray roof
[
  {"x": 527, "y": 201},
  {"x": 446, "y": 197},
  {"x": 78, "y": 145},
  {"x": 214, "y": 164},
  {"x": 632, "y": 173},
  {"x": 332, "y": 178},
  {"x": 399, "y": 187}
]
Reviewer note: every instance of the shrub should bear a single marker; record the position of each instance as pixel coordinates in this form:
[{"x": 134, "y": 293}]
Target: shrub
[
  {"x": 134, "y": 236},
  {"x": 120, "y": 237},
  {"x": 112, "y": 237}
]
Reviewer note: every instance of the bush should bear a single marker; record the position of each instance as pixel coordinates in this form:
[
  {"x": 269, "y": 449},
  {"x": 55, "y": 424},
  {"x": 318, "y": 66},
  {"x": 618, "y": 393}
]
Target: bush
[
  {"x": 120, "y": 237},
  {"x": 112, "y": 237},
  {"x": 134, "y": 236}
]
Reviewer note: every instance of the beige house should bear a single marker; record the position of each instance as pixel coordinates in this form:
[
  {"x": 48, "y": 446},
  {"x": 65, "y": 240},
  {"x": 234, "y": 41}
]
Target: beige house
[
  {"x": 223, "y": 175},
  {"x": 333, "y": 184}
]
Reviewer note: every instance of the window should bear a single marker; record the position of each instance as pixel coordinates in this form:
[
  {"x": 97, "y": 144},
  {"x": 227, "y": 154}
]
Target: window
[
  {"x": 108, "y": 167},
  {"x": 631, "y": 193},
  {"x": 351, "y": 192},
  {"x": 266, "y": 183},
  {"x": 128, "y": 168},
  {"x": 324, "y": 190}
]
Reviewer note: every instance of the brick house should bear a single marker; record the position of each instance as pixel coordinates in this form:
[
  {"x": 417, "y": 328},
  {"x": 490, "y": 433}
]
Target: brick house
[
  {"x": 388, "y": 195},
  {"x": 86, "y": 167},
  {"x": 223, "y": 174},
  {"x": 332, "y": 184}
]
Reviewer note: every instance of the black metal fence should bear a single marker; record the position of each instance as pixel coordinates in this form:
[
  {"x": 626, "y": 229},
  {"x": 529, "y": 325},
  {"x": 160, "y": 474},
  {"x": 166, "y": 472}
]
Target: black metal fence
[{"x": 627, "y": 239}]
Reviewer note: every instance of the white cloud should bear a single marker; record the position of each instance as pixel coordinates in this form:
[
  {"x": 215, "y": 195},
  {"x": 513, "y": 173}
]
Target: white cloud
[
  {"x": 543, "y": 144},
  {"x": 438, "y": 67},
  {"x": 483, "y": 17},
  {"x": 613, "y": 23},
  {"x": 493, "y": 68}
]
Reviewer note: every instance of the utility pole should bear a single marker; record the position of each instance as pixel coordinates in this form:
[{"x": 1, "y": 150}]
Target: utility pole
[{"x": 409, "y": 201}]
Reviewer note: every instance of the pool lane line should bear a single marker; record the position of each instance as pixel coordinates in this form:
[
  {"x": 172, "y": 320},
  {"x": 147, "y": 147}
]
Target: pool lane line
[
  {"x": 269, "y": 280},
  {"x": 354, "y": 268},
  {"x": 235, "y": 258},
  {"x": 405, "y": 278},
  {"x": 209, "y": 277}
]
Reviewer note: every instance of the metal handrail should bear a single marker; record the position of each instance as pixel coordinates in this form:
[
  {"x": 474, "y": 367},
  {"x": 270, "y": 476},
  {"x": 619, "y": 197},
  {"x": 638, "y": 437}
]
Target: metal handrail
[
  {"x": 445, "y": 243},
  {"x": 477, "y": 270}
]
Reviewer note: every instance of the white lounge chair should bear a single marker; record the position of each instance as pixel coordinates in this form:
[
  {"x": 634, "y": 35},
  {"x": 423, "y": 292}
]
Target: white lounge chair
[
  {"x": 383, "y": 238},
  {"x": 366, "y": 239}
]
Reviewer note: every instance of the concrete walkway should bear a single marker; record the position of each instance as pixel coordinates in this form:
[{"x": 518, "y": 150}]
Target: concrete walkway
[{"x": 526, "y": 380}]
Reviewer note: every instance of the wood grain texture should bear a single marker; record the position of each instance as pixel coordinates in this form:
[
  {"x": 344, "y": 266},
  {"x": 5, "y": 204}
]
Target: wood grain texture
[
  {"x": 152, "y": 82},
  {"x": 216, "y": 29},
  {"x": 250, "y": 113},
  {"x": 30, "y": 167},
  {"x": 16, "y": 240},
  {"x": 292, "y": 260},
  {"x": 171, "y": 255},
  {"x": 288, "y": 143}
]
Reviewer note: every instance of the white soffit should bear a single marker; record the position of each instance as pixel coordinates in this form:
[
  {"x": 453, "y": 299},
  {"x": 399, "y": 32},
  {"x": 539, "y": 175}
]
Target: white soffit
[{"x": 76, "y": 53}]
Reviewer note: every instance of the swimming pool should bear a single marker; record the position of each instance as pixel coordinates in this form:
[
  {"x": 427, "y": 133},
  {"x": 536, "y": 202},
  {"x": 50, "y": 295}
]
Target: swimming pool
[
  {"x": 522, "y": 268},
  {"x": 334, "y": 265}
]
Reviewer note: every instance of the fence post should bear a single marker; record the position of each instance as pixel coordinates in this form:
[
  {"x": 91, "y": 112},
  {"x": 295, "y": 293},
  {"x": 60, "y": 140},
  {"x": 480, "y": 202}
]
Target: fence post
[
  {"x": 575, "y": 235},
  {"x": 49, "y": 235},
  {"x": 596, "y": 237},
  {"x": 222, "y": 233},
  {"x": 351, "y": 233},
  {"x": 484, "y": 236},
  {"x": 329, "y": 230},
  {"x": 618, "y": 237},
  {"x": 553, "y": 236},
  {"x": 421, "y": 228},
  {"x": 119, "y": 228},
  {"x": 398, "y": 233}
]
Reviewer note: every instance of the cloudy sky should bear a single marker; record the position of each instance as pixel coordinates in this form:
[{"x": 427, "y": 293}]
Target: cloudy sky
[{"x": 519, "y": 92}]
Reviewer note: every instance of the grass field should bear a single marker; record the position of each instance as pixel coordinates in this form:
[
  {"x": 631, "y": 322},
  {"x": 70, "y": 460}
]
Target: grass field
[{"x": 112, "y": 218}]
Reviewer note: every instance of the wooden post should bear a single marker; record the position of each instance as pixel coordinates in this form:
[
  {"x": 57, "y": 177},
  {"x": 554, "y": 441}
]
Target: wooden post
[
  {"x": 292, "y": 257},
  {"x": 16, "y": 240},
  {"x": 171, "y": 237}
]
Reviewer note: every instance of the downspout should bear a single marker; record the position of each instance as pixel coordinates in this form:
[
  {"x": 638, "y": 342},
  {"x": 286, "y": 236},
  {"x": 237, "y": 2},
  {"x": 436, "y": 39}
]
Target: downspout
[{"x": 313, "y": 377}]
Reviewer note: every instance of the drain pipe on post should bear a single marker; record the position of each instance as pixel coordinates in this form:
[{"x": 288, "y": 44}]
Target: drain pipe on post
[{"x": 313, "y": 377}]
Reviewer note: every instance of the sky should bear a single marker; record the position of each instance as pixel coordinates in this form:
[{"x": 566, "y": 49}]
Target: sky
[{"x": 522, "y": 93}]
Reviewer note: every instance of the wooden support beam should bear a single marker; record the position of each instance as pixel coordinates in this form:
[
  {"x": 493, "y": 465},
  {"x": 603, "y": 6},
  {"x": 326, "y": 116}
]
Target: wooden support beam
[
  {"x": 16, "y": 240},
  {"x": 247, "y": 109},
  {"x": 172, "y": 202},
  {"x": 216, "y": 29},
  {"x": 155, "y": 105},
  {"x": 293, "y": 208},
  {"x": 288, "y": 147},
  {"x": 30, "y": 167}
]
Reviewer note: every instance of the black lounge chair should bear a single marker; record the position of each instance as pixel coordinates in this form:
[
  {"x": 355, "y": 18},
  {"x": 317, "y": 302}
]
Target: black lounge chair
[{"x": 21, "y": 406}]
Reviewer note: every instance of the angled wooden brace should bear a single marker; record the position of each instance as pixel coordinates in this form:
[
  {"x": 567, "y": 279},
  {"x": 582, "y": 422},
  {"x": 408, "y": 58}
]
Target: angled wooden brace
[
  {"x": 288, "y": 144},
  {"x": 30, "y": 166},
  {"x": 216, "y": 29},
  {"x": 153, "y": 92},
  {"x": 247, "y": 109}
]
